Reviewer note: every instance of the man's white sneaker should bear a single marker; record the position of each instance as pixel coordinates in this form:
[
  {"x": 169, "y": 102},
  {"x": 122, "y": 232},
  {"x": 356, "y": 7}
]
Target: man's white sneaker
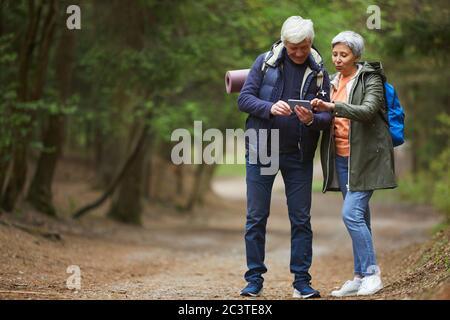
[
  {"x": 370, "y": 285},
  {"x": 350, "y": 288}
]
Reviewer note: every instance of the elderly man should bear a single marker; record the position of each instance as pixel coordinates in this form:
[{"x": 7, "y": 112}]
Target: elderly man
[{"x": 293, "y": 69}]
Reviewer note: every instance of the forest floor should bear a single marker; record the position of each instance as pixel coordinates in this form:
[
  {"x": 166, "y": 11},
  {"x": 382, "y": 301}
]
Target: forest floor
[{"x": 201, "y": 255}]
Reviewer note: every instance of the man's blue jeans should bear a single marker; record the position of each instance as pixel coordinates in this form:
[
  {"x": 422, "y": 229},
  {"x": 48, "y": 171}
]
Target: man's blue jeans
[
  {"x": 297, "y": 176},
  {"x": 356, "y": 216}
]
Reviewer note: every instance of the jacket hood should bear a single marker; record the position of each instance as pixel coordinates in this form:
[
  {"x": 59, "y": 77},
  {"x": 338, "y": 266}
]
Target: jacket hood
[{"x": 373, "y": 67}]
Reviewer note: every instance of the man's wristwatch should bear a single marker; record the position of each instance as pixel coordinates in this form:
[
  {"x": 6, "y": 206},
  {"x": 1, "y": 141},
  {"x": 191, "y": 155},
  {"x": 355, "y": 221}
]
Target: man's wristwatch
[{"x": 310, "y": 123}]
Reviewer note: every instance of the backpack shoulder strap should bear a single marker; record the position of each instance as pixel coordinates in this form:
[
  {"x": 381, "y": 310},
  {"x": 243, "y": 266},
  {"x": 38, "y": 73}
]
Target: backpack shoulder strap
[
  {"x": 264, "y": 65},
  {"x": 318, "y": 59},
  {"x": 319, "y": 79},
  {"x": 272, "y": 55},
  {"x": 384, "y": 110}
]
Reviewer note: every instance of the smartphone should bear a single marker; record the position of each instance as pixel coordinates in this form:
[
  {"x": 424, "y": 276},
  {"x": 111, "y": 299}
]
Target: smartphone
[{"x": 304, "y": 103}]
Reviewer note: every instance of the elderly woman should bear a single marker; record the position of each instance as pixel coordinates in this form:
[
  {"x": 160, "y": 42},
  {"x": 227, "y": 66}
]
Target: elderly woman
[{"x": 357, "y": 152}]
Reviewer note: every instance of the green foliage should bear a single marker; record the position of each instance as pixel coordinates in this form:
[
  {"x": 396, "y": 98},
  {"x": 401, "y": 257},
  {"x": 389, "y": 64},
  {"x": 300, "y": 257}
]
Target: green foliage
[
  {"x": 163, "y": 63},
  {"x": 417, "y": 63},
  {"x": 440, "y": 169},
  {"x": 8, "y": 97},
  {"x": 433, "y": 186},
  {"x": 230, "y": 170},
  {"x": 415, "y": 46},
  {"x": 416, "y": 188}
]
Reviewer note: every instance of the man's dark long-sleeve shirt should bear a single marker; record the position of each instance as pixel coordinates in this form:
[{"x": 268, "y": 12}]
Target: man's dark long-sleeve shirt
[{"x": 289, "y": 126}]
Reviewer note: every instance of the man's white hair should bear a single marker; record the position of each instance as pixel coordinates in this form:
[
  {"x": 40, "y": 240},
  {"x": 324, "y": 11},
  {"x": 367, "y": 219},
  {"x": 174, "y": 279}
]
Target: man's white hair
[
  {"x": 352, "y": 40},
  {"x": 296, "y": 29}
]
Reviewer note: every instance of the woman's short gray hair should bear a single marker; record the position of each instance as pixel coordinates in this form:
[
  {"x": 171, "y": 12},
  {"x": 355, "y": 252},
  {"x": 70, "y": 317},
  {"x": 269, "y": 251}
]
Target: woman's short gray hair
[
  {"x": 296, "y": 29},
  {"x": 352, "y": 40}
]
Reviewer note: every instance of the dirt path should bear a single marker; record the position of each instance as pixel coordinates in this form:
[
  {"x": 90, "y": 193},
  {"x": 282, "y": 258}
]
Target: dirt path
[{"x": 200, "y": 256}]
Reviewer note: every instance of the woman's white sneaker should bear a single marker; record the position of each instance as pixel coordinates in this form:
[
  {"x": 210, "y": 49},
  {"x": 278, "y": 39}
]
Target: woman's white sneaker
[
  {"x": 350, "y": 288},
  {"x": 370, "y": 285}
]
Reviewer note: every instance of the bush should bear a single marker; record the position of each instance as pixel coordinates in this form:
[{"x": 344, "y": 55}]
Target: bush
[
  {"x": 432, "y": 186},
  {"x": 441, "y": 193},
  {"x": 440, "y": 169},
  {"x": 417, "y": 188}
]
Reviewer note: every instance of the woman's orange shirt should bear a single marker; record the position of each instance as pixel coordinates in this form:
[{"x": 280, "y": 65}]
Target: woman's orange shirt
[{"x": 341, "y": 125}]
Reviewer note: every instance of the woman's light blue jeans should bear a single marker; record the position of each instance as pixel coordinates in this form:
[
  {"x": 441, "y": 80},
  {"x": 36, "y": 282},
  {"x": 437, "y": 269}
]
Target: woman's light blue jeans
[{"x": 356, "y": 216}]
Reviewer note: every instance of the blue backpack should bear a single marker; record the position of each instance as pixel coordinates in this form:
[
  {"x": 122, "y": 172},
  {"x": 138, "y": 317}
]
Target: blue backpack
[{"x": 395, "y": 114}]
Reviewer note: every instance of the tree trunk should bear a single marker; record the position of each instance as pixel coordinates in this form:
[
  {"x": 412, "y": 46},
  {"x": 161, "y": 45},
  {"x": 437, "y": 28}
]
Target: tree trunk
[
  {"x": 127, "y": 205},
  {"x": 179, "y": 178},
  {"x": 46, "y": 40},
  {"x": 27, "y": 48},
  {"x": 1, "y": 18},
  {"x": 17, "y": 180},
  {"x": 206, "y": 183},
  {"x": 4, "y": 169},
  {"x": 196, "y": 187},
  {"x": 117, "y": 180},
  {"x": 148, "y": 173},
  {"x": 40, "y": 192}
]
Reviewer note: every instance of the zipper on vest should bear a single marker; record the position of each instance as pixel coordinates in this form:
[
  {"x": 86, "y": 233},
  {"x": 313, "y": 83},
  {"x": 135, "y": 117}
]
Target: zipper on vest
[
  {"x": 350, "y": 137},
  {"x": 308, "y": 72},
  {"x": 328, "y": 156},
  {"x": 349, "y": 154}
]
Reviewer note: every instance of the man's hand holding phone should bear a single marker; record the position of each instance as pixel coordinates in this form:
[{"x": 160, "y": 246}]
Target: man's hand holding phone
[
  {"x": 302, "y": 109},
  {"x": 280, "y": 108},
  {"x": 300, "y": 103}
]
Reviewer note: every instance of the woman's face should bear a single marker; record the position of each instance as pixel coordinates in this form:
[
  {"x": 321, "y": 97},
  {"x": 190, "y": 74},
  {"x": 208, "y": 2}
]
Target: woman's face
[{"x": 343, "y": 58}]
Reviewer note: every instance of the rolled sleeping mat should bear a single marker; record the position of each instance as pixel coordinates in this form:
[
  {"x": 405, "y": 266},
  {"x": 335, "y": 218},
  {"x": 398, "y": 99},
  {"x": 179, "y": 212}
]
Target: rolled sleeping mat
[{"x": 235, "y": 79}]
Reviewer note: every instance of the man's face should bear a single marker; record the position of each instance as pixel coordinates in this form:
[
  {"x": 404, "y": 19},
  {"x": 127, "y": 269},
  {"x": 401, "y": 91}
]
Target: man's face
[{"x": 298, "y": 52}]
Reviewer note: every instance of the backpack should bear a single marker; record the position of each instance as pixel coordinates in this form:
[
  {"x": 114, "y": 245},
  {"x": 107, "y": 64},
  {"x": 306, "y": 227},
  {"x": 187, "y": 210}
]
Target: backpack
[{"x": 395, "y": 115}]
